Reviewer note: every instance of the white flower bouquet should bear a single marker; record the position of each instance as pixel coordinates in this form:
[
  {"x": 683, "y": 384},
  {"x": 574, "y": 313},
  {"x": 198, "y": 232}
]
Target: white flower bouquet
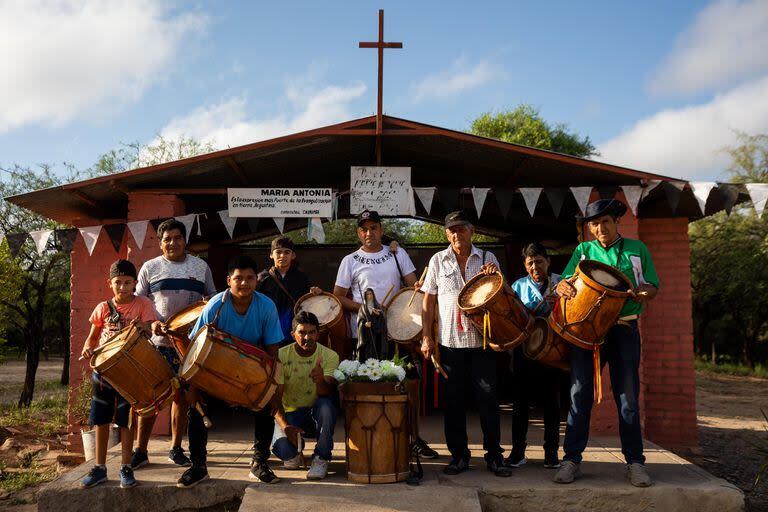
[{"x": 372, "y": 370}]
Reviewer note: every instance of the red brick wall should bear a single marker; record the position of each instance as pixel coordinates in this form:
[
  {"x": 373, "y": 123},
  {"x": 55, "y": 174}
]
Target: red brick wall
[{"x": 668, "y": 378}]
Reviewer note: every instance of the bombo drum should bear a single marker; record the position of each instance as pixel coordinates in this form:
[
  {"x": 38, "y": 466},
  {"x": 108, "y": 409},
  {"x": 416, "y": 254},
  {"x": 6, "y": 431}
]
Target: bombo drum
[{"x": 334, "y": 332}]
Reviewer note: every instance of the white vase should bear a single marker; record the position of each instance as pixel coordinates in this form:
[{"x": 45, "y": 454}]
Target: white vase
[
  {"x": 114, "y": 436},
  {"x": 89, "y": 443}
]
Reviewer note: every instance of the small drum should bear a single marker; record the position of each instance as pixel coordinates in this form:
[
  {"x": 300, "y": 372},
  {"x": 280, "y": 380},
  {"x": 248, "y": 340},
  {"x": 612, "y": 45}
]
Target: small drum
[
  {"x": 492, "y": 308},
  {"x": 181, "y": 323},
  {"x": 546, "y": 347},
  {"x": 334, "y": 332},
  {"x": 230, "y": 369},
  {"x": 137, "y": 371},
  {"x": 585, "y": 319},
  {"x": 377, "y": 432},
  {"x": 404, "y": 321}
]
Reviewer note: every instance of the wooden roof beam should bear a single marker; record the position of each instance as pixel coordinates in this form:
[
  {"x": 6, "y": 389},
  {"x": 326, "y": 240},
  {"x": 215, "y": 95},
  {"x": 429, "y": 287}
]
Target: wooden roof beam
[{"x": 237, "y": 170}]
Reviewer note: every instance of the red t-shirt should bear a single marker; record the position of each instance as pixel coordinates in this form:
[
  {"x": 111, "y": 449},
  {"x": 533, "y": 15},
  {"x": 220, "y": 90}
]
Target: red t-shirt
[{"x": 140, "y": 308}]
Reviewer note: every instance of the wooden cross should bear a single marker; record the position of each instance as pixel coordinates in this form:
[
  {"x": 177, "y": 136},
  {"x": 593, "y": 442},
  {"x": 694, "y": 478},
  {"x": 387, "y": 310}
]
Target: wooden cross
[{"x": 380, "y": 45}]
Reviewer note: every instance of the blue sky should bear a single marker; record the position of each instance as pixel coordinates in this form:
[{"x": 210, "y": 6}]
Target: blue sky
[{"x": 659, "y": 86}]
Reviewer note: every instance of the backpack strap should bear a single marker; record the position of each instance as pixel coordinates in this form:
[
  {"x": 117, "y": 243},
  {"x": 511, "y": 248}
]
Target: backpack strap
[
  {"x": 114, "y": 314},
  {"x": 221, "y": 305}
]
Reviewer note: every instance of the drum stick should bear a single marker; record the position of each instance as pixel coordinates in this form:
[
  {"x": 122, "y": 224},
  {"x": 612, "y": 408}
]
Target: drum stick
[
  {"x": 387, "y": 295},
  {"x": 421, "y": 280},
  {"x": 201, "y": 411},
  {"x": 438, "y": 367}
]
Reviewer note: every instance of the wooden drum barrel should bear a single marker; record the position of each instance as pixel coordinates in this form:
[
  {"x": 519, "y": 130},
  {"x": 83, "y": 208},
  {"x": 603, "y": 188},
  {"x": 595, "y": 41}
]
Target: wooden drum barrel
[
  {"x": 585, "y": 319},
  {"x": 490, "y": 306},
  {"x": 130, "y": 363},
  {"x": 181, "y": 323},
  {"x": 377, "y": 430},
  {"x": 546, "y": 347}
]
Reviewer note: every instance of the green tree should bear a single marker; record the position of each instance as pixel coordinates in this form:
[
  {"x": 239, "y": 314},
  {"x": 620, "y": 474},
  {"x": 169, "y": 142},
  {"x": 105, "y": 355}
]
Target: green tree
[
  {"x": 524, "y": 125},
  {"x": 749, "y": 160}
]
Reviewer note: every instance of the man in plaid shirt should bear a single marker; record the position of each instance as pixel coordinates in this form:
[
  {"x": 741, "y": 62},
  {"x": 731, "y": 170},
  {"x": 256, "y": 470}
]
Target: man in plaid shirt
[{"x": 465, "y": 361}]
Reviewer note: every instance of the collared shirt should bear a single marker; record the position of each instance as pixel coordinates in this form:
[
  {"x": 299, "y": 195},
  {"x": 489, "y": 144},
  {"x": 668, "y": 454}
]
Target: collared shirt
[
  {"x": 631, "y": 257},
  {"x": 444, "y": 279},
  {"x": 532, "y": 294}
]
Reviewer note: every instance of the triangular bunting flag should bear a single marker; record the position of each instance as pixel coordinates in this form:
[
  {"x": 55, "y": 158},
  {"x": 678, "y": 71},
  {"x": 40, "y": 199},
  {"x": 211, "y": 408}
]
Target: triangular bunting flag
[
  {"x": 632, "y": 194},
  {"x": 115, "y": 233},
  {"x": 701, "y": 190},
  {"x": 229, "y": 222},
  {"x": 607, "y": 191},
  {"x": 556, "y": 198},
  {"x": 156, "y": 222},
  {"x": 188, "y": 221},
  {"x": 652, "y": 184},
  {"x": 199, "y": 217},
  {"x": 581, "y": 195},
  {"x": 15, "y": 241},
  {"x": 449, "y": 198},
  {"x": 531, "y": 197},
  {"x": 138, "y": 231},
  {"x": 426, "y": 195},
  {"x": 673, "y": 195},
  {"x": 730, "y": 194},
  {"x": 90, "y": 237},
  {"x": 315, "y": 230},
  {"x": 479, "y": 195},
  {"x": 253, "y": 225},
  {"x": 41, "y": 239},
  {"x": 758, "y": 192},
  {"x": 679, "y": 185},
  {"x": 504, "y": 197},
  {"x": 279, "y": 222},
  {"x": 65, "y": 238}
]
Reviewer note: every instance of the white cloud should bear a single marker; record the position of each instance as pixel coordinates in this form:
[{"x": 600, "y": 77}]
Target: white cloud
[
  {"x": 726, "y": 43},
  {"x": 459, "y": 78},
  {"x": 227, "y": 124},
  {"x": 686, "y": 142},
  {"x": 60, "y": 59}
]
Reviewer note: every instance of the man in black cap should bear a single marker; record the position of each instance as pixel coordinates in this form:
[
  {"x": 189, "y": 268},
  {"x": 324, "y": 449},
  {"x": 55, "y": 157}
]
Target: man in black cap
[
  {"x": 376, "y": 267},
  {"x": 467, "y": 363},
  {"x": 621, "y": 348}
]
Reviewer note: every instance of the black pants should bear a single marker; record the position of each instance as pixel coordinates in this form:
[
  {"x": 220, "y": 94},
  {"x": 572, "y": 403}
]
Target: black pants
[
  {"x": 473, "y": 368},
  {"x": 531, "y": 379},
  {"x": 264, "y": 425}
]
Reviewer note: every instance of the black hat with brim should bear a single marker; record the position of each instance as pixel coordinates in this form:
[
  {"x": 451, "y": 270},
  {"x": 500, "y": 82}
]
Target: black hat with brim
[
  {"x": 365, "y": 215},
  {"x": 457, "y": 218},
  {"x": 602, "y": 207}
]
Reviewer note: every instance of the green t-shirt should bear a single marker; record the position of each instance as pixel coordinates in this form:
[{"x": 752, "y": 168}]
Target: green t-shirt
[
  {"x": 299, "y": 390},
  {"x": 635, "y": 263}
]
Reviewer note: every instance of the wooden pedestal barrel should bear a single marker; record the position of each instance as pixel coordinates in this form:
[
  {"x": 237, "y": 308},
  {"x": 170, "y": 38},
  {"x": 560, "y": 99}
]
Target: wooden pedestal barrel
[
  {"x": 377, "y": 430},
  {"x": 137, "y": 371}
]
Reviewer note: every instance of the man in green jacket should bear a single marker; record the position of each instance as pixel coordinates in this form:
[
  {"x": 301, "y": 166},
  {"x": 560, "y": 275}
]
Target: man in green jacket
[{"x": 621, "y": 349}]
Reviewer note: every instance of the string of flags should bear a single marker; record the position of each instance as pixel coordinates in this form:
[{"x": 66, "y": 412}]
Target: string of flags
[{"x": 64, "y": 239}]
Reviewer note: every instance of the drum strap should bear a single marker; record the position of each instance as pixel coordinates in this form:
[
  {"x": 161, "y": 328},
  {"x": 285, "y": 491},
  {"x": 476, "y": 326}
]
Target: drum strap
[
  {"x": 597, "y": 369},
  {"x": 399, "y": 270},
  {"x": 280, "y": 284}
]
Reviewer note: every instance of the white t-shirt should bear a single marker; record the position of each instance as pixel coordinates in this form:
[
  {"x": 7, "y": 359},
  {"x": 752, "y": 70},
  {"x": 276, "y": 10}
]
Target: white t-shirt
[{"x": 376, "y": 270}]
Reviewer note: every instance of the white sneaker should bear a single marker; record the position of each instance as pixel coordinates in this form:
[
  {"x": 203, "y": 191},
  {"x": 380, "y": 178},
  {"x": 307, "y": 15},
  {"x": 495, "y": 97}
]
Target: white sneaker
[
  {"x": 638, "y": 476},
  {"x": 294, "y": 463},
  {"x": 318, "y": 470}
]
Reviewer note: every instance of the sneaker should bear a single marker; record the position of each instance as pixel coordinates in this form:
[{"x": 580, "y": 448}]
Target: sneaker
[
  {"x": 456, "y": 466},
  {"x": 568, "y": 472},
  {"x": 139, "y": 458},
  {"x": 638, "y": 476},
  {"x": 97, "y": 475},
  {"x": 551, "y": 461},
  {"x": 177, "y": 456},
  {"x": 498, "y": 468},
  {"x": 423, "y": 450},
  {"x": 515, "y": 460},
  {"x": 318, "y": 470},
  {"x": 192, "y": 477},
  {"x": 126, "y": 477},
  {"x": 263, "y": 473},
  {"x": 294, "y": 463}
]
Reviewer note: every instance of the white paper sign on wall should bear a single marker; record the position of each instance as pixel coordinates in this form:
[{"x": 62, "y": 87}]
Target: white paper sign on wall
[
  {"x": 280, "y": 202},
  {"x": 384, "y": 189}
]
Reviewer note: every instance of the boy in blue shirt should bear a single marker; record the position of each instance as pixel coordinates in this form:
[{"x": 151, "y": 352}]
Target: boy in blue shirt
[{"x": 252, "y": 317}]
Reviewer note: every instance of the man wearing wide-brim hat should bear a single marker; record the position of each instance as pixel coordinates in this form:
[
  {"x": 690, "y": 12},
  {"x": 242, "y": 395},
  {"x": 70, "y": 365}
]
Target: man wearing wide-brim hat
[{"x": 621, "y": 348}]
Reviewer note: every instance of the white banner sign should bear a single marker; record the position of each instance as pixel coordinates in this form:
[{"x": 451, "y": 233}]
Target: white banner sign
[
  {"x": 384, "y": 189},
  {"x": 280, "y": 202}
]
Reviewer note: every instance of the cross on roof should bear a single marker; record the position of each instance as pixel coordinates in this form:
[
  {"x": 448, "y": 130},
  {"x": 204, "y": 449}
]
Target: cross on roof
[{"x": 380, "y": 45}]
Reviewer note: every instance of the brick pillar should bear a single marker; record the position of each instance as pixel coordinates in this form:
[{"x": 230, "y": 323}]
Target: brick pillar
[
  {"x": 668, "y": 377},
  {"x": 604, "y": 415},
  {"x": 143, "y": 206},
  {"x": 88, "y": 287}
]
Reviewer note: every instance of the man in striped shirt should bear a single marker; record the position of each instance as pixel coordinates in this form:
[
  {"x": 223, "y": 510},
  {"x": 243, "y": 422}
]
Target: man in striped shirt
[
  {"x": 172, "y": 281},
  {"x": 465, "y": 361}
]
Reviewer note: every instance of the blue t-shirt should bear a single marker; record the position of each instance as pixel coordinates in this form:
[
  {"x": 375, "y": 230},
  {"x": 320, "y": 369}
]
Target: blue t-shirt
[
  {"x": 530, "y": 293},
  {"x": 259, "y": 325}
]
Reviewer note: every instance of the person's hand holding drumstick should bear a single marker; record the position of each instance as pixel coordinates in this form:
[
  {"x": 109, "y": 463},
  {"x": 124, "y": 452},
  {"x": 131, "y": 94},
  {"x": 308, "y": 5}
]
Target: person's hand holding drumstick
[{"x": 566, "y": 289}]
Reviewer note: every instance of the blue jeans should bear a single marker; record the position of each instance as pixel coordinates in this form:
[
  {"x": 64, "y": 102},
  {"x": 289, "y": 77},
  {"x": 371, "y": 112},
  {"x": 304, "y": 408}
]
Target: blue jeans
[
  {"x": 318, "y": 422},
  {"x": 621, "y": 351}
]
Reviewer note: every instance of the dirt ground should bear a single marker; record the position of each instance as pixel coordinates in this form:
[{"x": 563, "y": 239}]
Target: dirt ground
[{"x": 731, "y": 425}]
